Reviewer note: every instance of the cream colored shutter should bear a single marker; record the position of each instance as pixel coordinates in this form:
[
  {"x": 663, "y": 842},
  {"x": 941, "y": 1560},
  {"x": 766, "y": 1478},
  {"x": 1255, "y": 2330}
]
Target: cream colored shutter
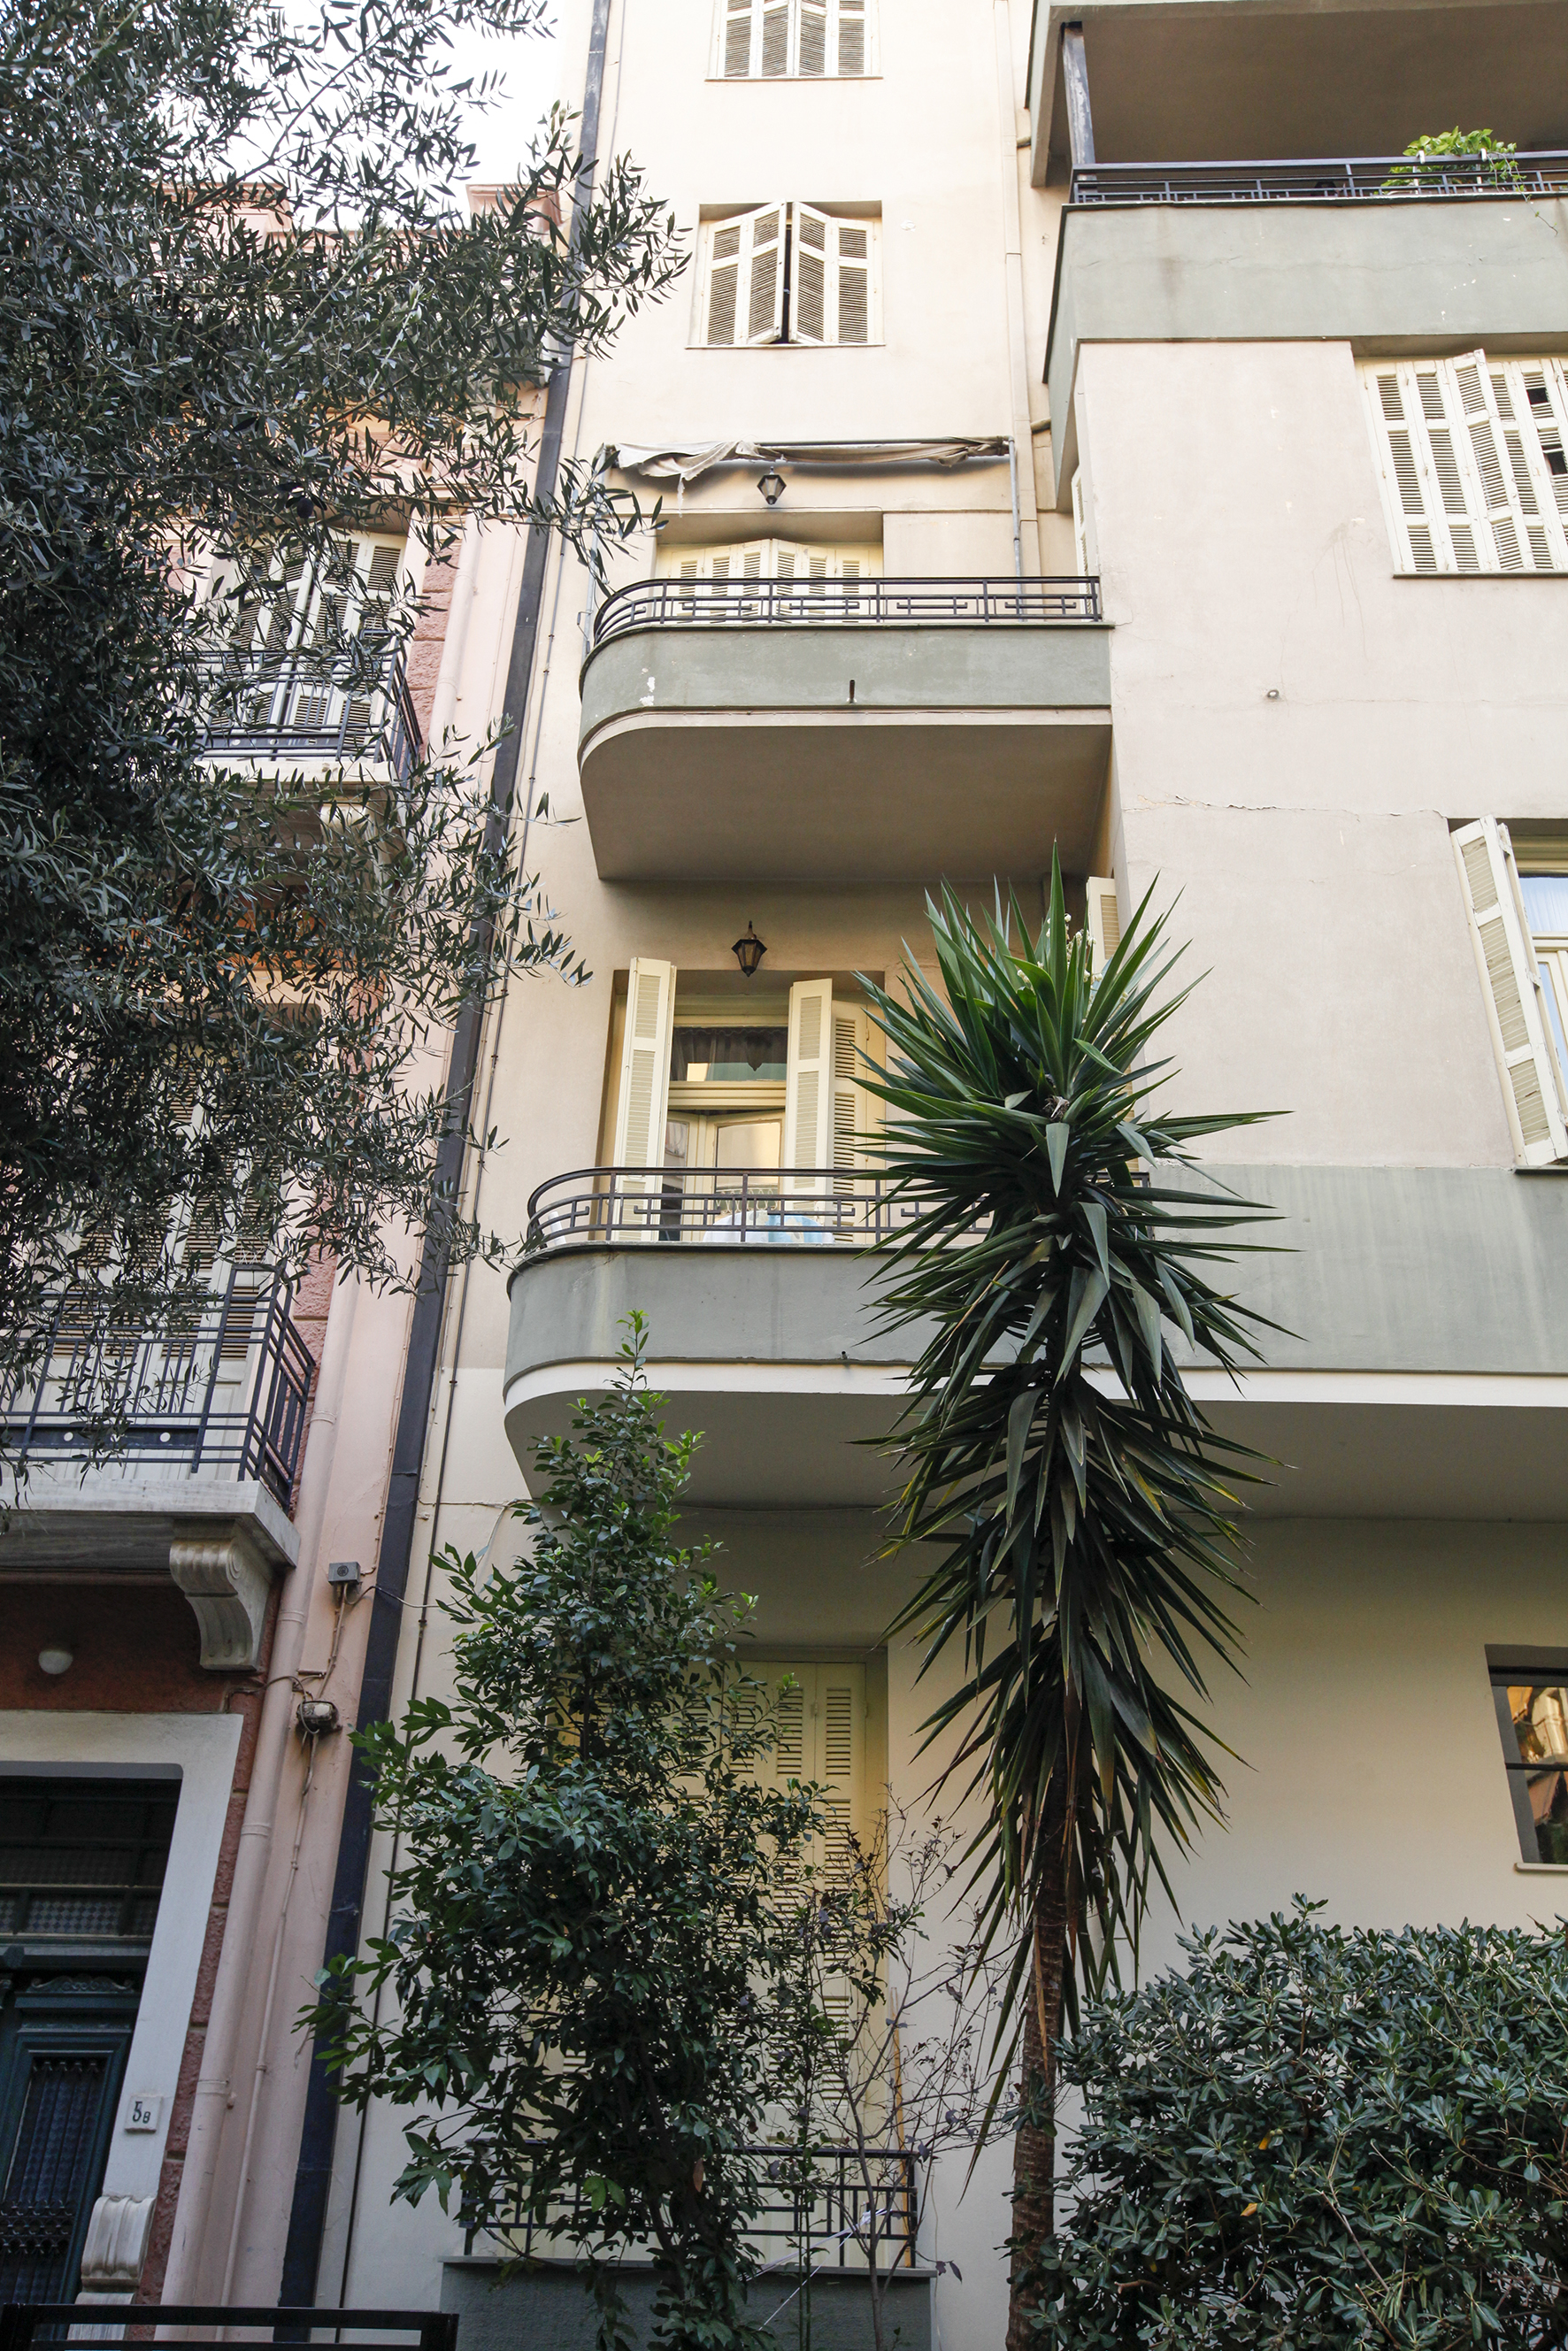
[
  {"x": 644, "y": 1102},
  {"x": 839, "y": 1699},
  {"x": 1080, "y": 540},
  {"x": 1532, "y": 1085},
  {"x": 745, "y": 300},
  {"x": 1493, "y": 488},
  {"x": 740, "y": 26},
  {"x": 1430, "y": 488},
  {"x": 852, "y": 1038},
  {"x": 1533, "y": 416},
  {"x": 831, "y": 297},
  {"x": 1104, "y": 921},
  {"x": 809, "y": 1099},
  {"x": 852, "y": 50},
  {"x": 773, "y": 61},
  {"x": 812, "y": 51}
]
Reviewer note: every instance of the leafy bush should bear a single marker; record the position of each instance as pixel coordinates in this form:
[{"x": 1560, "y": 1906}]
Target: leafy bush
[{"x": 1316, "y": 2137}]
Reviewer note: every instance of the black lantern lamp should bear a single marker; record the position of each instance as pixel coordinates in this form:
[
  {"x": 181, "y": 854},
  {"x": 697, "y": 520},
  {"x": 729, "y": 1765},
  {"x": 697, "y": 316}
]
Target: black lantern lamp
[
  {"x": 772, "y": 485},
  {"x": 748, "y": 952}
]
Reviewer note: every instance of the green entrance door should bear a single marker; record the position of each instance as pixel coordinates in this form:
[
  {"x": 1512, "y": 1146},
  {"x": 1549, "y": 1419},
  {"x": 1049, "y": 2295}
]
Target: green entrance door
[{"x": 81, "y": 1865}]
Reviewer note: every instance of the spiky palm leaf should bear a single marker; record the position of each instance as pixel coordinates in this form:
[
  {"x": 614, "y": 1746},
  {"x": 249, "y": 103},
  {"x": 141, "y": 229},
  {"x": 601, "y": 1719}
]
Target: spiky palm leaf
[{"x": 1085, "y": 1509}]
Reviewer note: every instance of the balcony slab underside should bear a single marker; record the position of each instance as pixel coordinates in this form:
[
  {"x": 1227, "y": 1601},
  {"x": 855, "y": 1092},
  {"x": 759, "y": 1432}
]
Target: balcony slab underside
[
  {"x": 1429, "y": 1378},
  {"x": 1390, "y": 273},
  {"x": 727, "y": 752}
]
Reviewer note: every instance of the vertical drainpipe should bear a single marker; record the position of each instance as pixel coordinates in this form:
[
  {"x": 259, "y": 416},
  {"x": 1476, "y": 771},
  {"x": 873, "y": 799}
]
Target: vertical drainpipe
[{"x": 313, "y": 2176}]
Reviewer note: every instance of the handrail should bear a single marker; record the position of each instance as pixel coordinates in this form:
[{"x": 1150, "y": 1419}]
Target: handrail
[
  {"x": 286, "y": 705},
  {"x": 843, "y": 603},
  {"x": 1332, "y": 179},
  {"x": 797, "y": 1207},
  {"x": 157, "y": 1394},
  {"x": 24, "y": 2324},
  {"x": 816, "y": 2196}
]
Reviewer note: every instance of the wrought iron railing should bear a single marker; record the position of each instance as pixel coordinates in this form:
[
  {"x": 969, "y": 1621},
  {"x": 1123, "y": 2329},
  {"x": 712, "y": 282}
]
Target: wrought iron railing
[
  {"x": 783, "y": 1206},
  {"x": 289, "y": 706},
  {"x": 710, "y": 604},
  {"x": 821, "y": 2206},
  {"x": 221, "y": 1387},
  {"x": 1306, "y": 181}
]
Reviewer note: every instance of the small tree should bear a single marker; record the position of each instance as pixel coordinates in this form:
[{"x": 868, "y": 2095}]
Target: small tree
[
  {"x": 891, "y": 2039},
  {"x": 1081, "y": 1509},
  {"x": 588, "y": 1950},
  {"x": 1314, "y": 2140}
]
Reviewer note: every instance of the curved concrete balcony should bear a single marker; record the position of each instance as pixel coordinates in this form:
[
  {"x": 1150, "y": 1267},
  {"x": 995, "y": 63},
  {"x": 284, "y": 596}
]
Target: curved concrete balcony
[
  {"x": 733, "y": 730},
  {"x": 1420, "y": 1371}
]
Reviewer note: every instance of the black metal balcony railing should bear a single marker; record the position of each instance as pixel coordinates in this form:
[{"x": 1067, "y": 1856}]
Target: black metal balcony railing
[
  {"x": 201, "y": 2327},
  {"x": 823, "y": 2207},
  {"x": 839, "y": 603},
  {"x": 282, "y": 707},
  {"x": 797, "y": 1207},
  {"x": 1360, "y": 177},
  {"x": 221, "y": 1388}
]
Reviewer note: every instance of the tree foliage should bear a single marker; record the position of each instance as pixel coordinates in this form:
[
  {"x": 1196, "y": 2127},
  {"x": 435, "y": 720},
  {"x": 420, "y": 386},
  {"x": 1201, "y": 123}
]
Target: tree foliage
[
  {"x": 243, "y": 316},
  {"x": 1058, "y": 1252},
  {"x": 594, "y": 1891},
  {"x": 1315, "y": 2137}
]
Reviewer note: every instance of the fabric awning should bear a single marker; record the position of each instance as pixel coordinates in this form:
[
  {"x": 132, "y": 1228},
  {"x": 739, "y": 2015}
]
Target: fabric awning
[{"x": 686, "y": 461}]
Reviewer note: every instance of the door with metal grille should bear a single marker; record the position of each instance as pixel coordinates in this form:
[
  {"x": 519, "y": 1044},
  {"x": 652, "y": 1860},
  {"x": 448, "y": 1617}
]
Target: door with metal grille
[{"x": 81, "y": 1867}]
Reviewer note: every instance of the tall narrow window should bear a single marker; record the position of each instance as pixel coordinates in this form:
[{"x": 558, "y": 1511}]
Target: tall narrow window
[
  {"x": 777, "y": 40},
  {"x": 1473, "y": 456},
  {"x": 790, "y": 272}
]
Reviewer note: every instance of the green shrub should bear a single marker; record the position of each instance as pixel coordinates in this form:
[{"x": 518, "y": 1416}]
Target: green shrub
[{"x": 1316, "y": 2137}]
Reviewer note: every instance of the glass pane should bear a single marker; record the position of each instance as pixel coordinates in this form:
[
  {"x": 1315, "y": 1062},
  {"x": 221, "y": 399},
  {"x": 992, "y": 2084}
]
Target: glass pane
[
  {"x": 726, "y": 1056},
  {"x": 1539, "y": 1712},
  {"x": 1549, "y": 1808},
  {"x": 749, "y": 1143},
  {"x": 1551, "y": 968},
  {"x": 1546, "y": 903}
]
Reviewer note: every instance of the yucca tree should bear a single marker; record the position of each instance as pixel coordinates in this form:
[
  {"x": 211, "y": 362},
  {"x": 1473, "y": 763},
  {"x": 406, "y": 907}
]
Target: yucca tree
[{"x": 1085, "y": 1511}]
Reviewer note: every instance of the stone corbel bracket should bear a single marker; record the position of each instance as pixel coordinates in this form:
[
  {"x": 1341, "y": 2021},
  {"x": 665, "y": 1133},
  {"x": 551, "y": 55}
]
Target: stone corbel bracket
[
  {"x": 116, "y": 2247},
  {"x": 227, "y": 1580}
]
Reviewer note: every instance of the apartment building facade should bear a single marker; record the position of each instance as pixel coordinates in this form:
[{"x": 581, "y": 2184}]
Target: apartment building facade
[
  {"x": 1035, "y": 474},
  {"x": 184, "y": 1628}
]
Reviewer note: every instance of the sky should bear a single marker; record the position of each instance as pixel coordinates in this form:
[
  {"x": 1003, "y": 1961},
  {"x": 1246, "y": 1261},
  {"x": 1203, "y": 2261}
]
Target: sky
[{"x": 529, "y": 66}]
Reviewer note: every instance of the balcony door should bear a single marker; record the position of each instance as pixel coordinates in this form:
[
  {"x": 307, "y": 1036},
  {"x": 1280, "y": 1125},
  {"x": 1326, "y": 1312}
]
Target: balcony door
[
  {"x": 284, "y": 640},
  {"x": 81, "y": 1867},
  {"x": 732, "y": 1109}
]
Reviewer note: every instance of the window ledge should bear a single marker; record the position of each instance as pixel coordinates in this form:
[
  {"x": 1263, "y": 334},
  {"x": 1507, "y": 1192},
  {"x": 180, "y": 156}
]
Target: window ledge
[{"x": 1542, "y": 1868}]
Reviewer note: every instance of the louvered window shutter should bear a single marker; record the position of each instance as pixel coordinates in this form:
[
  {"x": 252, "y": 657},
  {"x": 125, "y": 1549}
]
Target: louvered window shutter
[
  {"x": 1468, "y": 474},
  {"x": 852, "y": 1039},
  {"x": 812, "y": 53},
  {"x": 819, "y": 1725},
  {"x": 644, "y": 1103},
  {"x": 852, "y": 55},
  {"x": 1497, "y": 510},
  {"x": 1080, "y": 538},
  {"x": 1104, "y": 921},
  {"x": 1532, "y": 415},
  {"x": 1532, "y": 1083},
  {"x": 745, "y": 278},
  {"x": 740, "y": 25},
  {"x": 830, "y": 299},
  {"x": 808, "y": 1088}
]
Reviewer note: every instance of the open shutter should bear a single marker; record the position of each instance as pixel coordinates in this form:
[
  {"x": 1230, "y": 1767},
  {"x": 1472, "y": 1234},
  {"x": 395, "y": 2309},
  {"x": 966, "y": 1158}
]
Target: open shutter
[
  {"x": 851, "y": 55},
  {"x": 644, "y": 1099},
  {"x": 1104, "y": 921},
  {"x": 813, "y": 37},
  {"x": 1079, "y": 536},
  {"x": 1532, "y": 416},
  {"x": 808, "y": 1091},
  {"x": 1532, "y": 1085},
  {"x": 831, "y": 297},
  {"x": 1494, "y": 487},
  {"x": 851, "y": 1104},
  {"x": 1425, "y": 468},
  {"x": 740, "y": 29},
  {"x": 745, "y": 278}
]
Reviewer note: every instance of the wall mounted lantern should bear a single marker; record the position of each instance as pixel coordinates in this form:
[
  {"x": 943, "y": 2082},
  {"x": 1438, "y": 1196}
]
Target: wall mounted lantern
[
  {"x": 772, "y": 485},
  {"x": 750, "y": 951}
]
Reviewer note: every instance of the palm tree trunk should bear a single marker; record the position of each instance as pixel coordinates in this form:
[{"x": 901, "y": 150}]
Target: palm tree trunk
[{"x": 1034, "y": 2149}]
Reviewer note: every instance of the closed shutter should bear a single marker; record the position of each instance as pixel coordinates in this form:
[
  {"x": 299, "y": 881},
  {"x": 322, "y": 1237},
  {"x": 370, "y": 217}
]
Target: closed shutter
[
  {"x": 1531, "y": 1084},
  {"x": 1104, "y": 921},
  {"x": 831, "y": 297},
  {"x": 644, "y": 1102},
  {"x": 819, "y": 1738},
  {"x": 807, "y": 1088},
  {"x": 754, "y": 39},
  {"x": 745, "y": 278},
  {"x": 852, "y": 54},
  {"x": 378, "y": 567},
  {"x": 1467, "y": 477}
]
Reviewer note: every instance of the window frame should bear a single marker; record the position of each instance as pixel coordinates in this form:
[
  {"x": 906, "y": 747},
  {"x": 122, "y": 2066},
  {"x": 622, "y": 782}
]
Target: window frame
[{"x": 1543, "y": 1669}]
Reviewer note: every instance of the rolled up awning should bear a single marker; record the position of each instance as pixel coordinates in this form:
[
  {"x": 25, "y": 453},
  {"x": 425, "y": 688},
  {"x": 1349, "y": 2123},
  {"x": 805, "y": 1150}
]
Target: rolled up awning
[{"x": 686, "y": 461}]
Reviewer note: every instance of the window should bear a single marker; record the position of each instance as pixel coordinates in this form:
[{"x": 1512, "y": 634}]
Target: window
[
  {"x": 1533, "y": 1715},
  {"x": 788, "y": 272},
  {"x": 771, "y": 40},
  {"x": 807, "y": 578},
  {"x": 294, "y": 642},
  {"x": 1525, "y": 1010},
  {"x": 1473, "y": 464},
  {"x": 720, "y": 1098}
]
